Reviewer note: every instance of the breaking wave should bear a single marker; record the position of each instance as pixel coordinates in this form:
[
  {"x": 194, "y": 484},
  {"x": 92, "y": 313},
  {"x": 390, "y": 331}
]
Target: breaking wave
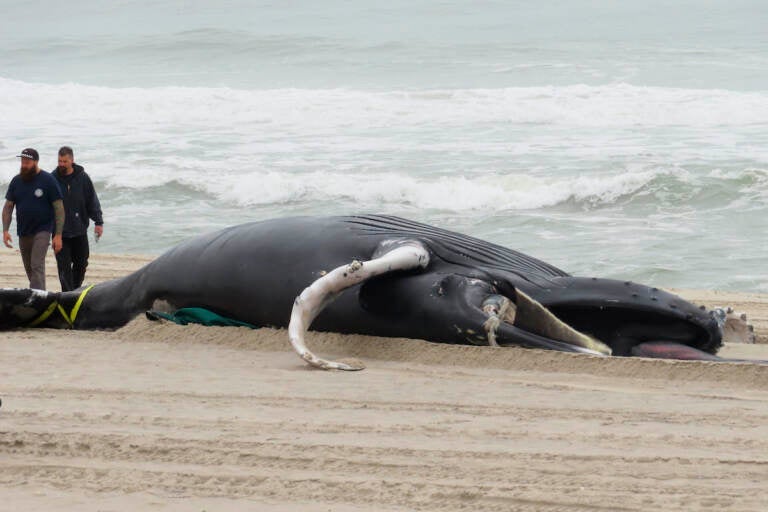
[{"x": 150, "y": 109}]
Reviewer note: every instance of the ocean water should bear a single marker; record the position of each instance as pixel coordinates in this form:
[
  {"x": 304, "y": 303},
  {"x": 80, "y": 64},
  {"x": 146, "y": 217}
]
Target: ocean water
[{"x": 620, "y": 139}]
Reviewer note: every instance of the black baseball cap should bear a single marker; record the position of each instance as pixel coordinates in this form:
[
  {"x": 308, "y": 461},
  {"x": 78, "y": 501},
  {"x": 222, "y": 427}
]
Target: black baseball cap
[{"x": 29, "y": 153}]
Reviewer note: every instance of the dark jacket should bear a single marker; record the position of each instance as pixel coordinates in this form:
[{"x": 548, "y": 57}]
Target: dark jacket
[{"x": 80, "y": 201}]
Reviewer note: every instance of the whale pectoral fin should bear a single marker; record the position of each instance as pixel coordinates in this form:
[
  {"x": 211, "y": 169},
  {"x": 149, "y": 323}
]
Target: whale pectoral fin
[
  {"x": 672, "y": 350},
  {"x": 405, "y": 255}
]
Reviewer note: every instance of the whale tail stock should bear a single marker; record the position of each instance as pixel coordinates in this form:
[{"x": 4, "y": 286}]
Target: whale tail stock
[
  {"x": 107, "y": 305},
  {"x": 26, "y": 307}
]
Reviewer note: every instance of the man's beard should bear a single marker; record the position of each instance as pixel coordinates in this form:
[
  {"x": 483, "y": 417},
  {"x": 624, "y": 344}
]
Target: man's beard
[{"x": 28, "y": 174}]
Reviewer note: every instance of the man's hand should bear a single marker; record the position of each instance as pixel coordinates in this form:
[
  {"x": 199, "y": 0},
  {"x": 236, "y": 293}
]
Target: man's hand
[
  {"x": 57, "y": 243},
  {"x": 7, "y": 240},
  {"x": 98, "y": 231}
]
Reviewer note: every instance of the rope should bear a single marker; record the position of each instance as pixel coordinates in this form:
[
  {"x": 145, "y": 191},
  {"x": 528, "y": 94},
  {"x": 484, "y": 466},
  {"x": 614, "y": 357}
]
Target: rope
[{"x": 68, "y": 317}]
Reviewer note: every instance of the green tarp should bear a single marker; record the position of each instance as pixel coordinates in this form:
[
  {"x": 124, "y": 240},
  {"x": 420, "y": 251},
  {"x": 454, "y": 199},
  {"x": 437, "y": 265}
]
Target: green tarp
[{"x": 200, "y": 316}]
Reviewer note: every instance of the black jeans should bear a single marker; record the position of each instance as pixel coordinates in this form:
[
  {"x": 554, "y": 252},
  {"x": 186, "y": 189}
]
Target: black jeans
[{"x": 72, "y": 261}]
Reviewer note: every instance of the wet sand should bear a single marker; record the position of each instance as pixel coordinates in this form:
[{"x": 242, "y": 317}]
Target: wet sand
[{"x": 156, "y": 416}]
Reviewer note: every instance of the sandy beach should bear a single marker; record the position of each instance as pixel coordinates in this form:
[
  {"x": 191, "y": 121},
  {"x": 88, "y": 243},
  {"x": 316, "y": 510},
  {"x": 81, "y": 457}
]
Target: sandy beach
[{"x": 161, "y": 417}]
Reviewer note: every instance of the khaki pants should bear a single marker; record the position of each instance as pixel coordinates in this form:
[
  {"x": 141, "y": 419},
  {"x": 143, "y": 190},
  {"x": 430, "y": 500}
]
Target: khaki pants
[{"x": 33, "y": 250}]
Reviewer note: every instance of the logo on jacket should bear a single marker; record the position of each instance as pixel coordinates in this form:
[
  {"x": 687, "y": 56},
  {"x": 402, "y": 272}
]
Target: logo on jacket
[{"x": 38, "y": 192}]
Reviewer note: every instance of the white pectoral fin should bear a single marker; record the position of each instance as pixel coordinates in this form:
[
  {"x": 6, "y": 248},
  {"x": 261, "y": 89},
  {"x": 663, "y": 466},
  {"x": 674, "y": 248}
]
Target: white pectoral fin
[{"x": 404, "y": 256}]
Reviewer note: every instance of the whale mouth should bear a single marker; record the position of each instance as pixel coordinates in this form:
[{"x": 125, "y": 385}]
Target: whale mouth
[
  {"x": 535, "y": 318},
  {"x": 623, "y": 327},
  {"x": 604, "y": 327},
  {"x": 527, "y": 322},
  {"x": 618, "y": 314}
]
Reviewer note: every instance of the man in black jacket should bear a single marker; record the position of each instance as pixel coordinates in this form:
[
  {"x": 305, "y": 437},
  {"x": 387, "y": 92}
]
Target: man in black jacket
[{"x": 80, "y": 204}]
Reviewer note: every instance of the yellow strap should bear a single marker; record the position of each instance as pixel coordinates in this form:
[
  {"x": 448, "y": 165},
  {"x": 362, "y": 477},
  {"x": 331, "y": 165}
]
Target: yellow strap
[
  {"x": 64, "y": 314},
  {"x": 69, "y": 318},
  {"x": 44, "y": 316},
  {"x": 76, "y": 308}
]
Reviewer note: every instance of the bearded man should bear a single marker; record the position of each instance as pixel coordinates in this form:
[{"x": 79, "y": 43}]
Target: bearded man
[{"x": 39, "y": 213}]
